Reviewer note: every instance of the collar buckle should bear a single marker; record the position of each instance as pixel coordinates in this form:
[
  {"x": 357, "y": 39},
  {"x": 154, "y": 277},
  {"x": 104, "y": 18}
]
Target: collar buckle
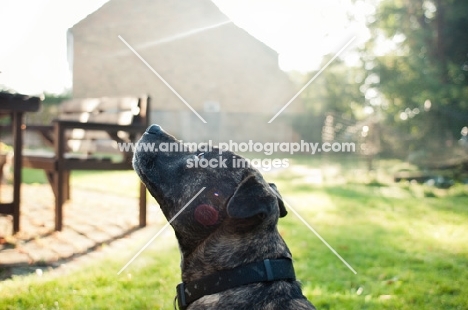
[{"x": 181, "y": 302}]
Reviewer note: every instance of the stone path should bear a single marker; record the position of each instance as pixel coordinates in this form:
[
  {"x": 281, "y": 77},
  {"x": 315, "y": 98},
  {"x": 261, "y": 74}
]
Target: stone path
[{"x": 91, "y": 219}]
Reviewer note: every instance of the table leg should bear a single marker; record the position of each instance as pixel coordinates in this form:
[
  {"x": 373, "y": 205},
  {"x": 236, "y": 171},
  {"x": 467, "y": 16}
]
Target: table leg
[{"x": 17, "y": 149}]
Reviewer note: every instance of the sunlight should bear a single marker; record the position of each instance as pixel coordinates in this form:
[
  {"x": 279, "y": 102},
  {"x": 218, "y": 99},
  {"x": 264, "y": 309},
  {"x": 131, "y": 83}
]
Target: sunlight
[
  {"x": 300, "y": 31},
  {"x": 35, "y": 59}
]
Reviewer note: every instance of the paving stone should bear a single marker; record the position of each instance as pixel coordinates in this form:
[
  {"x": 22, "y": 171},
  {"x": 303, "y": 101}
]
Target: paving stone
[
  {"x": 90, "y": 219},
  {"x": 62, "y": 249},
  {"x": 113, "y": 230},
  {"x": 40, "y": 255},
  {"x": 13, "y": 257},
  {"x": 79, "y": 242},
  {"x": 82, "y": 228},
  {"x": 98, "y": 236}
]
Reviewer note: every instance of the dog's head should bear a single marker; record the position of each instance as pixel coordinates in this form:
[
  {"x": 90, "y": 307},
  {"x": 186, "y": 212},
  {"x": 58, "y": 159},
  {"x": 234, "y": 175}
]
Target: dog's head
[{"x": 235, "y": 197}]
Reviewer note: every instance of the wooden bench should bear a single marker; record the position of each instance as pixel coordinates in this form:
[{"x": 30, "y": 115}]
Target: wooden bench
[{"x": 85, "y": 137}]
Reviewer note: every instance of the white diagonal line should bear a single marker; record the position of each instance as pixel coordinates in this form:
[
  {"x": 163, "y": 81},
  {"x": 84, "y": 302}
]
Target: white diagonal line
[
  {"x": 183, "y": 34},
  {"x": 174, "y": 37},
  {"x": 315, "y": 232},
  {"x": 312, "y": 79},
  {"x": 159, "y": 232},
  {"x": 161, "y": 78}
]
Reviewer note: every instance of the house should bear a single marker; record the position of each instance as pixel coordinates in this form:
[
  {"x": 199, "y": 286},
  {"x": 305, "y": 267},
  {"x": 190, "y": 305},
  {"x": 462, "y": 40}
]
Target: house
[{"x": 230, "y": 78}]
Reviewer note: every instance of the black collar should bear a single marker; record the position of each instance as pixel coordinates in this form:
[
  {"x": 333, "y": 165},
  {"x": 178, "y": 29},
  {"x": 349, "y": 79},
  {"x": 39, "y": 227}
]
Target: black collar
[{"x": 264, "y": 271}]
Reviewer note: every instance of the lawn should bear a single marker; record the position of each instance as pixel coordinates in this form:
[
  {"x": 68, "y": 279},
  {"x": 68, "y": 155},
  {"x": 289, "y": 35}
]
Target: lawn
[{"x": 407, "y": 242}]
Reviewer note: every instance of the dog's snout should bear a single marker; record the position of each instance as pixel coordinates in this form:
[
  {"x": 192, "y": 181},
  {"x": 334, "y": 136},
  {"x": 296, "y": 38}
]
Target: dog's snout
[{"x": 155, "y": 129}]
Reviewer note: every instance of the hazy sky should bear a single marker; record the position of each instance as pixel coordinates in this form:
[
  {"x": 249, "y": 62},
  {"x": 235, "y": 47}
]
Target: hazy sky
[{"x": 33, "y": 55}]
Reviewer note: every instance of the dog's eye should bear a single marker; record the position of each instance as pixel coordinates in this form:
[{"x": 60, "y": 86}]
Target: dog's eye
[{"x": 201, "y": 155}]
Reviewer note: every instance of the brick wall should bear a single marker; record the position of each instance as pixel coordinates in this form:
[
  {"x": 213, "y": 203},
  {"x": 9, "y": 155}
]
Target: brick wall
[
  {"x": 223, "y": 126},
  {"x": 224, "y": 65}
]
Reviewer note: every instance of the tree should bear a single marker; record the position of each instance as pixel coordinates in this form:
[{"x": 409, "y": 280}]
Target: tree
[
  {"x": 424, "y": 75},
  {"x": 335, "y": 91}
]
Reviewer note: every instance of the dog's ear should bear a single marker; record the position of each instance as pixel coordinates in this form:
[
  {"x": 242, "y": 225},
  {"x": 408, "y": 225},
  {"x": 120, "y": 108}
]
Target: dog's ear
[
  {"x": 282, "y": 208},
  {"x": 251, "y": 198}
]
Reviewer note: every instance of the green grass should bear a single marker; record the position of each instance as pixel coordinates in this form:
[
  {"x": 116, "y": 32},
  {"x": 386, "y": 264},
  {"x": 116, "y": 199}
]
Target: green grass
[
  {"x": 97, "y": 286},
  {"x": 407, "y": 242},
  {"x": 31, "y": 176}
]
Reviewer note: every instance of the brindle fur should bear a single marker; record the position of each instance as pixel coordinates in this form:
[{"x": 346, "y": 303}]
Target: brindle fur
[{"x": 244, "y": 232}]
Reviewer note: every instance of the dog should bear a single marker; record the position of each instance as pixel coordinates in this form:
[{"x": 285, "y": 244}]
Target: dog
[{"x": 225, "y": 220}]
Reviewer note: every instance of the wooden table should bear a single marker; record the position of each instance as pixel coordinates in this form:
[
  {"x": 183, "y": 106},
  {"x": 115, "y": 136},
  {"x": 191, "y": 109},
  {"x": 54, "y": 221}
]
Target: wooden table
[{"x": 16, "y": 105}]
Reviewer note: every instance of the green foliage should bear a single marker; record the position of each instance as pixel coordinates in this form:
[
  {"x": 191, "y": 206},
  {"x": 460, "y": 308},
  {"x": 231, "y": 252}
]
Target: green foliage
[
  {"x": 55, "y": 99},
  {"x": 335, "y": 90},
  {"x": 424, "y": 77},
  {"x": 33, "y": 176},
  {"x": 48, "y": 111}
]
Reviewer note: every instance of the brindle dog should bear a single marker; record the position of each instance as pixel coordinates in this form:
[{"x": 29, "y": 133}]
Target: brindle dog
[{"x": 228, "y": 225}]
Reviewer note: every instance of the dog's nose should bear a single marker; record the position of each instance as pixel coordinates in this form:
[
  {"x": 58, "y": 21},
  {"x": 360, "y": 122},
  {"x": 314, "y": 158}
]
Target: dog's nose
[{"x": 154, "y": 129}]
